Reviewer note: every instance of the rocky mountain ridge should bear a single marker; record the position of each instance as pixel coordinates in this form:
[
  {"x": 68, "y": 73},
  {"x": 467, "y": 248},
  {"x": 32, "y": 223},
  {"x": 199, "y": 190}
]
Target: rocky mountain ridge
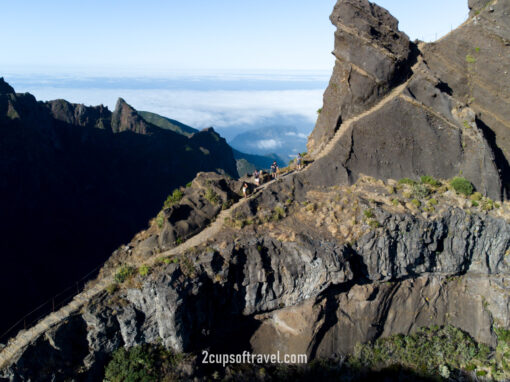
[
  {"x": 324, "y": 259},
  {"x": 446, "y": 120}
]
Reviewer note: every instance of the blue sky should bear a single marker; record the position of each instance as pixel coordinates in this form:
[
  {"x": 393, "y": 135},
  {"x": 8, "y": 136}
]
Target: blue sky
[{"x": 159, "y": 37}]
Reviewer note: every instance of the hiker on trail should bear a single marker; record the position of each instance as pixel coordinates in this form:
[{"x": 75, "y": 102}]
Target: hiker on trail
[
  {"x": 256, "y": 175},
  {"x": 274, "y": 170},
  {"x": 245, "y": 190},
  {"x": 299, "y": 161}
]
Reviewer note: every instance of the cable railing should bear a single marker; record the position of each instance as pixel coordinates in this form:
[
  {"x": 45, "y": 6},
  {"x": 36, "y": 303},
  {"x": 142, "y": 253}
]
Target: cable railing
[{"x": 51, "y": 305}]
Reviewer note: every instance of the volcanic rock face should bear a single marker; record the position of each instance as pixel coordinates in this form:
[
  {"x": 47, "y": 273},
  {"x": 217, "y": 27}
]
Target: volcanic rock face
[
  {"x": 372, "y": 56},
  {"x": 473, "y": 62},
  {"x": 447, "y": 118},
  {"x": 327, "y": 258}
]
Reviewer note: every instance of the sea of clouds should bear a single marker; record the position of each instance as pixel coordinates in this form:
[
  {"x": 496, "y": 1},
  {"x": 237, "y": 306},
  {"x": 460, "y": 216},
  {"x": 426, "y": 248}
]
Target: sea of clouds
[{"x": 231, "y": 104}]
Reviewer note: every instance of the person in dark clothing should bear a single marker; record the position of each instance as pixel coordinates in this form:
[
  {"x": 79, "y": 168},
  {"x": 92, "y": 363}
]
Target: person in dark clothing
[{"x": 274, "y": 170}]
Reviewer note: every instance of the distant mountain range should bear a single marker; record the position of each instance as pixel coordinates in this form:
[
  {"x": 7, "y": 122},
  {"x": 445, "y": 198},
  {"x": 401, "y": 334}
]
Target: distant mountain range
[{"x": 246, "y": 163}]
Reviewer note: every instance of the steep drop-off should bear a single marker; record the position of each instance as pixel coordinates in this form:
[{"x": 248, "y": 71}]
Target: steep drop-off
[{"x": 76, "y": 182}]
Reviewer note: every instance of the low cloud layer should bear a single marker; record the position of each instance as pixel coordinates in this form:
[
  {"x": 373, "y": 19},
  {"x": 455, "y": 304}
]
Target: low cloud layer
[
  {"x": 200, "y": 109},
  {"x": 268, "y": 144},
  {"x": 256, "y": 114}
]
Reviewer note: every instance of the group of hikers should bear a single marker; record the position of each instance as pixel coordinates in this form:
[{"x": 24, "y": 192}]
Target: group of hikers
[{"x": 274, "y": 170}]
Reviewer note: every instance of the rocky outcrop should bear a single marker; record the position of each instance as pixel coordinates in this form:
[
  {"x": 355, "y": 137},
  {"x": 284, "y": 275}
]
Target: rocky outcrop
[
  {"x": 98, "y": 117},
  {"x": 126, "y": 118},
  {"x": 431, "y": 124},
  {"x": 372, "y": 56},
  {"x": 5, "y": 88}
]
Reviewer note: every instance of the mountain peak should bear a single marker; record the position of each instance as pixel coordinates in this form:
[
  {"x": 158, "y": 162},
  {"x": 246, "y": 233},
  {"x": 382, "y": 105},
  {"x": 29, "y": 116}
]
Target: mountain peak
[
  {"x": 126, "y": 118},
  {"x": 5, "y": 88}
]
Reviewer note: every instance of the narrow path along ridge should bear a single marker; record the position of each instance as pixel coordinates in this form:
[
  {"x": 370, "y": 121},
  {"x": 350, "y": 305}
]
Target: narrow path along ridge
[{"x": 25, "y": 337}]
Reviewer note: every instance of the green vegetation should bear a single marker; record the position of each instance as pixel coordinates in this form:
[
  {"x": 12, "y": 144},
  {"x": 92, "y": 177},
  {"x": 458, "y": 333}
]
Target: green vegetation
[
  {"x": 368, "y": 213},
  {"x": 212, "y": 196},
  {"x": 374, "y": 224},
  {"x": 142, "y": 363},
  {"x": 467, "y": 126},
  {"x": 165, "y": 260},
  {"x": 470, "y": 59},
  {"x": 173, "y": 198},
  {"x": 395, "y": 202},
  {"x": 144, "y": 270},
  {"x": 487, "y": 204},
  {"x": 112, "y": 288},
  {"x": 426, "y": 179},
  {"x": 420, "y": 191},
  {"x": 476, "y": 197},
  {"x": 477, "y": 49},
  {"x": 278, "y": 213},
  {"x": 123, "y": 273},
  {"x": 407, "y": 181},
  {"x": 462, "y": 185},
  {"x": 432, "y": 202},
  {"x": 416, "y": 203},
  {"x": 319, "y": 111},
  {"x": 160, "y": 219},
  {"x": 188, "y": 185},
  {"x": 430, "y": 351}
]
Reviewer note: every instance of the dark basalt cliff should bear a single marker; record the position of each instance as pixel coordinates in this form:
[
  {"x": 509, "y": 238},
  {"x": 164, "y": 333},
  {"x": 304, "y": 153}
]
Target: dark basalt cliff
[
  {"x": 372, "y": 56},
  {"x": 76, "y": 182},
  {"x": 340, "y": 253},
  {"x": 449, "y": 116}
]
